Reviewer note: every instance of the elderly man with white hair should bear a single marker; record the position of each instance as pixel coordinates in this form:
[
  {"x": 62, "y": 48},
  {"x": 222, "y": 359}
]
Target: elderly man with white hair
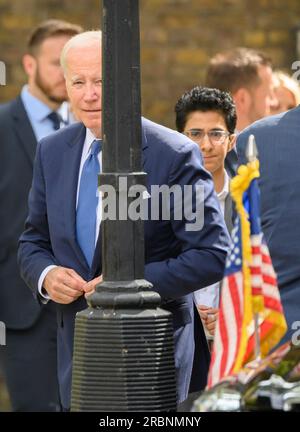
[{"x": 60, "y": 251}]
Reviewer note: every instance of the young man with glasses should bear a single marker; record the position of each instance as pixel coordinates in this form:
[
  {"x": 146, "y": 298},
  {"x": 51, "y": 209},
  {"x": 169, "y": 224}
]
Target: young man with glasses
[{"x": 208, "y": 117}]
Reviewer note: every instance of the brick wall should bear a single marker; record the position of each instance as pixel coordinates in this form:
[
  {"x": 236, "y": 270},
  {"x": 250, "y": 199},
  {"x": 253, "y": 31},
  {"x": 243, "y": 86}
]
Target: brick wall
[
  {"x": 17, "y": 17},
  {"x": 177, "y": 39},
  {"x": 179, "y": 36}
]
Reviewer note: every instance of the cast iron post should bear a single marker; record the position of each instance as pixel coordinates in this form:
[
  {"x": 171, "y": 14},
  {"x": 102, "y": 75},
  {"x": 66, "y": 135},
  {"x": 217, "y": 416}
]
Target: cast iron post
[{"x": 123, "y": 349}]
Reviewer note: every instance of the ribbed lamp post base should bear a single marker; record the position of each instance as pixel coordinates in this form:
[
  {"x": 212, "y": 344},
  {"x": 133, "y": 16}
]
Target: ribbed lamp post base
[{"x": 131, "y": 365}]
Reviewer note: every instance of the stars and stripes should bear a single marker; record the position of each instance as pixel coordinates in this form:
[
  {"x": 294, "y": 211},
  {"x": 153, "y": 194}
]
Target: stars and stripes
[
  {"x": 249, "y": 287},
  {"x": 266, "y": 299},
  {"x": 228, "y": 328}
]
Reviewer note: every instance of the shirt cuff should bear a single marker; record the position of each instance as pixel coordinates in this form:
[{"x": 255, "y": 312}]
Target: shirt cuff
[{"x": 43, "y": 293}]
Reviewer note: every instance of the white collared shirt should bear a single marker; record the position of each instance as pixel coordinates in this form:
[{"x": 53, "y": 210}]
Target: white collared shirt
[
  {"x": 224, "y": 192},
  {"x": 38, "y": 112},
  {"x": 210, "y": 295}
]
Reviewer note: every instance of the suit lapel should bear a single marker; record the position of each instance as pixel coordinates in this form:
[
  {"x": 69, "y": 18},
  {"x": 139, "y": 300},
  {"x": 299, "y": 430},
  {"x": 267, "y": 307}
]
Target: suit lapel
[
  {"x": 72, "y": 158},
  {"x": 23, "y": 129}
]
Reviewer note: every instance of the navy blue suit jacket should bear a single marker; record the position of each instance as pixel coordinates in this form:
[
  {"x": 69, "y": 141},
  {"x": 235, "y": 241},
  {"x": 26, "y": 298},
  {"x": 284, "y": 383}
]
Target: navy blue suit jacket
[
  {"x": 278, "y": 142},
  {"x": 18, "y": 309},
  {"x": 177, "y": 261}
]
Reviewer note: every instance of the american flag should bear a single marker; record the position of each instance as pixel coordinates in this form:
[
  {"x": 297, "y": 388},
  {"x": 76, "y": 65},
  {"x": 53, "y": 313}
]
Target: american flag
[
  {"x": 249, "y": 287},
  {"x": 265, "y": 293}
]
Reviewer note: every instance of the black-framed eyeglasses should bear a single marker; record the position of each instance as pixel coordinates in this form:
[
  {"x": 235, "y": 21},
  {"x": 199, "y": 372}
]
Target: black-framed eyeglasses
[{"x": 216, "y": 137}]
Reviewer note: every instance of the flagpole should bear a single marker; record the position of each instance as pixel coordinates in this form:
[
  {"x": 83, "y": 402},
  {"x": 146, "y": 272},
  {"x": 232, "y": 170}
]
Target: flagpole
[
  {"x": 251, "y": 154},
  {"x": 257, "y": 337}
]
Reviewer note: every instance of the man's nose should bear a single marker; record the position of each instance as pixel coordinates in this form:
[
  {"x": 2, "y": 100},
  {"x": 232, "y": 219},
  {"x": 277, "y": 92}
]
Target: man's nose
[
  {"x": 91, "y": 93},
  {"x": 205, "y": 143}
]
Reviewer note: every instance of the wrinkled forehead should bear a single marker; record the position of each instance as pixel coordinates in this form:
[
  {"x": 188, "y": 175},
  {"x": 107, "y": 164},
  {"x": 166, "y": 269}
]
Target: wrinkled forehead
[
  {"x": 87, "y": 50},
  {"x": 86, "y": 62}
]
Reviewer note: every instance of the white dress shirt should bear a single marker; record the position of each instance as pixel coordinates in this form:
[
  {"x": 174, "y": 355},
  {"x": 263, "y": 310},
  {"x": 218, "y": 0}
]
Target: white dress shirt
[
  {"x": 86, "y": 150},
  {"x": 210, "y": 296},
  {"x": 38, "y": 112}
]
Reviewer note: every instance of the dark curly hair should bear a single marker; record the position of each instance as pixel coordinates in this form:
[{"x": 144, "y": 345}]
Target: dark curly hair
[{"x": 205, "y": 99}]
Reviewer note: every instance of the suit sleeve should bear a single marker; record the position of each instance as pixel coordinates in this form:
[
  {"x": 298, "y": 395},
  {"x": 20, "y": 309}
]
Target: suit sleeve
[
  {"x": 203, "y": 252},
  {"x": 35, "y": 253},
  {"x": 242, "y": 140}
]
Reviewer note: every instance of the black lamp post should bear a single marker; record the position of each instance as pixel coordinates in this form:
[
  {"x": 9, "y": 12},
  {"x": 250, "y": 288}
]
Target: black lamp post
[{"x": 123, "y": 350}]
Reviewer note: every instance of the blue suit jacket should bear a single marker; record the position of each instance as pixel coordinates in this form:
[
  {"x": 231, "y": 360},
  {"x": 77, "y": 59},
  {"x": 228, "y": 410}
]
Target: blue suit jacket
[
  {"x": 177, "y": 261},
  {"x": 278, "y": 142}
]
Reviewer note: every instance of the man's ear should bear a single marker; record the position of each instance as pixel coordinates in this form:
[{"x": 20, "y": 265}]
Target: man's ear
[
  {"x": 231, "y": 142},
  {"x": 29, "y": 65},
  {"x": 242, "y": 99}
]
